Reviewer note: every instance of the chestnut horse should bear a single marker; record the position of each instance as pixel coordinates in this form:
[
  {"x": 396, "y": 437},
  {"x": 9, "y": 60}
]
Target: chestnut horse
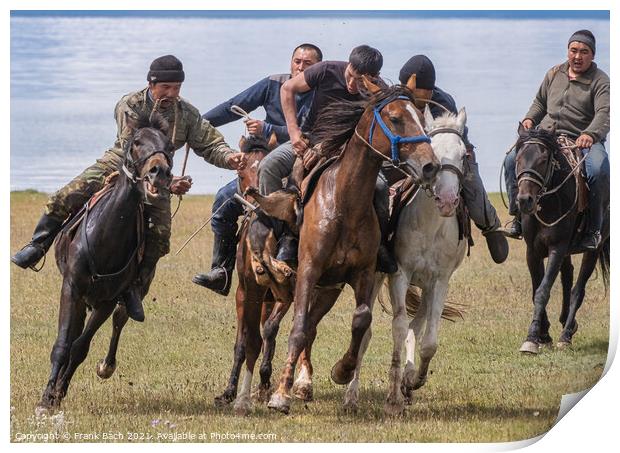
[
  {"x": 339, "y": 237},
  {"x": 548, "y": 200},
  {"x": 98, "y": 258}
]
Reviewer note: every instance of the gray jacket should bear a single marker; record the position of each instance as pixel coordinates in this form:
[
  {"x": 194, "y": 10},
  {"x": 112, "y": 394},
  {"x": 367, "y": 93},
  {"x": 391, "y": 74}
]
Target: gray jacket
[{"x": 575, "y": 107}]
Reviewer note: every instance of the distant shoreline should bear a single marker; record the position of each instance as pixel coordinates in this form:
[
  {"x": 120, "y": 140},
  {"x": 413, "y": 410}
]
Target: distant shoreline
[{"x": 274, "y": 14}]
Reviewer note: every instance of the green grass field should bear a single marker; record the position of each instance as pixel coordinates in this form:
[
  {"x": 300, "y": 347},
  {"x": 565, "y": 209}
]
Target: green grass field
[{"x": 172, "y": 366}]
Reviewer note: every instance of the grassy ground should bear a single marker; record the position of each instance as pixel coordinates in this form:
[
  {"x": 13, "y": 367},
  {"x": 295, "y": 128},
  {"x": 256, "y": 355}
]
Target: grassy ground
[{"x": 170, "y": 367}]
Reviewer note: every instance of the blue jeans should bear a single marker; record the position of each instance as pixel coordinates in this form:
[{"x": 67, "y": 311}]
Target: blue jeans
[{"x": 224, "y": 222}]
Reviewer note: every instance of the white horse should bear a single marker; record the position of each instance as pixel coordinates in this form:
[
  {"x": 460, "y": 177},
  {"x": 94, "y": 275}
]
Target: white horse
[{"x": 428, "y": 251}]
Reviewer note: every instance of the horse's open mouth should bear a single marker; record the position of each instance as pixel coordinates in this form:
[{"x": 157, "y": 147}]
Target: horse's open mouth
[{"x": 150, "y": 188}]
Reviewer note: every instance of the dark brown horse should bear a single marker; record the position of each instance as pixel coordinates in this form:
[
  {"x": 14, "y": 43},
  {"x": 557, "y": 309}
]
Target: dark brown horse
[
  {"x": 264, "y": 293},
  {"x": 339, "y": 237},
  {"x": 551, "y": 226},
  {"x": 99, "y": 257}
]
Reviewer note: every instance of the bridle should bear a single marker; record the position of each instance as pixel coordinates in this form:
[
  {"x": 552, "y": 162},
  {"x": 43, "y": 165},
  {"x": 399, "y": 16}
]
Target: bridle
[
  {"x": 395, "y": 140},
  {"x": 130, "y": 165},
  {"x": 543, "y": 181},
  {"x": 445, "y": 166},
  {"x": 529, "y": 174}
]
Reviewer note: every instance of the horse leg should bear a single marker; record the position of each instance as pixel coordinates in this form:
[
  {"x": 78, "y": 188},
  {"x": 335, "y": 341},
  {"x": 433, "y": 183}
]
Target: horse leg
[
  {"x": 588, "y": 264},
  {"x": 80, "y": 347},
  {"x": 435, "y": 298},
  {"x": 252, "y": 315},
  {"x": 363, "y": 284},
  {"x": 107, "y": 366},
  {"x": 307, "y": 277},
  {"x": 541, "y": 298},
  {"x": 566, "y": 276},
  {"x": 399, "y": 283},
  {"x": 230, "y": 392},
  {"x": 411, "y": 379},
  {"x": 70, "y": 323},
  {"x": 323, "y": 301},
  {"x": 270, "y": 332}
]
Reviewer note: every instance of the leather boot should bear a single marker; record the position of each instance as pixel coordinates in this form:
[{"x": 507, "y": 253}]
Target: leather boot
[
  {"x": 132, "y": 298},
  {"x": 515, "y": 231},
  {"x": 386, "y": 262},
  {"x": 287, "y": 247},
  {"x": 219, "y": 278},
  {"x": 592, "y": 236},
  {"x": 44, "y": 234},
  {"x": 497, "y": 244}
]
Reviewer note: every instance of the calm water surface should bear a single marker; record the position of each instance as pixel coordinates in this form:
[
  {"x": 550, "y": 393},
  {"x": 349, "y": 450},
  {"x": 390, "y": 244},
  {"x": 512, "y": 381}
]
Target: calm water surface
[{"x": 67, "y": 73}]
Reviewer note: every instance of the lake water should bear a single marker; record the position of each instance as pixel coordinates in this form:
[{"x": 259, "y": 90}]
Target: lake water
[{"x": 68, "y": 72}]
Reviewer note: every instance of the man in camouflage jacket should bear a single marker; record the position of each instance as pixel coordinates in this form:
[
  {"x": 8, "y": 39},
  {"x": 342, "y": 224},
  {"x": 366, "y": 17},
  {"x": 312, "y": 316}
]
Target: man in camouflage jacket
[{"x": 186, "y": 127}]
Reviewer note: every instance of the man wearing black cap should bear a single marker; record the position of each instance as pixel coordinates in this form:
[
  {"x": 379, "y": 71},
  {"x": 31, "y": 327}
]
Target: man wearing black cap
[
  {"x": 476, "y": 199},
  {"x": 573, "y": 100},
  {"x": 186, "y": 126}
]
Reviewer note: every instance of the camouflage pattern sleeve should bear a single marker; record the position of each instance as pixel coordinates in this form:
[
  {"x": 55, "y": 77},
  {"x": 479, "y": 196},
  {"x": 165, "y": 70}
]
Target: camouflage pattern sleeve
[
  {"x": 123, "y": 108},
  {"x": 208, "y": 143}
]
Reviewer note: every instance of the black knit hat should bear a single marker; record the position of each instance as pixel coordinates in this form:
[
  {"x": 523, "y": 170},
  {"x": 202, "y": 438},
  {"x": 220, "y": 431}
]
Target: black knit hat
[
  {"x": 586, "y": 37},
  {"x": 166, "y": 69},
  {"x": 423, "y": 68}
]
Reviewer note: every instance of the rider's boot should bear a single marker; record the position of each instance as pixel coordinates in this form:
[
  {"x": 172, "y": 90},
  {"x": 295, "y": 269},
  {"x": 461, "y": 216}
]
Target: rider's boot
[
  {"x": 132, "y": 298},
  {"x": 592, "y": 236},
  {"x": 287, "y": 247},
  {"x": 219, "y": 278},
  {"x": 386, "y": 262},
  {"x": 44, "y": 234},
  {"x": 515, "y": 230}
]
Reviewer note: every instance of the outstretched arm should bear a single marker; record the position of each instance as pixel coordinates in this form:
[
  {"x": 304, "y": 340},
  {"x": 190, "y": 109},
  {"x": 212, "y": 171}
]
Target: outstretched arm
[{"x": 287, "y": 95}]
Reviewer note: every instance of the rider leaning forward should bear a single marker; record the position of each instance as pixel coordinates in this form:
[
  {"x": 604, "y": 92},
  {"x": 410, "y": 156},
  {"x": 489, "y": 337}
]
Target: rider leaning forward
[{"x": 165, "y": 78}]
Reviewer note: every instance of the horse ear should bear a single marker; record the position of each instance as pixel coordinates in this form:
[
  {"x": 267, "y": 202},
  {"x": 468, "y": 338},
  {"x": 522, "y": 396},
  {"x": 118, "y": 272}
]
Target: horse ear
[
  {"x": 242, "y": 143},
  {"x": 428, "y": 117},
  {"x": 461, "y": 119},
  {"x": 521, "y": 130},
  {"x": 370, "y": 86},
  {"x": 273, "y": 142},
  {"x": 411, "y": 83}
]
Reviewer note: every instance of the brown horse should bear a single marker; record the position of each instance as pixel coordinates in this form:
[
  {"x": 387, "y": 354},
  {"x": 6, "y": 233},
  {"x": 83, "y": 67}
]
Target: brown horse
[
  {"x": 99, "y": 257},
  {"x": 264, "y": 293},
  {"x": 339, "y": 237}
]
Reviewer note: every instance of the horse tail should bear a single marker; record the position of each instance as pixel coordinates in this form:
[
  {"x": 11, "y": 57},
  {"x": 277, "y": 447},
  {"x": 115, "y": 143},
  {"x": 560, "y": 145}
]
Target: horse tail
[
  {"x": 413, "y": 300},
  {"x": 604, "y": 261}
]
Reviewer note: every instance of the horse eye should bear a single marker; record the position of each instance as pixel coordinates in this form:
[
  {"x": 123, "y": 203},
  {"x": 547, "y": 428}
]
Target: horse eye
[{"x": 395, "y": 120}]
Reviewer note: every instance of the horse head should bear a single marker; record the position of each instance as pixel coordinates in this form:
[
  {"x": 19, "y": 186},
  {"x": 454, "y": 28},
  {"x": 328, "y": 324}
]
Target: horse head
[
  {"x": 446, "y": 132},
  {"x": 255, "y": 149},
  {"x": 394, "y": 127},
  {"x": 148, "y": 154},
  {"x": 534, "y": 166}
]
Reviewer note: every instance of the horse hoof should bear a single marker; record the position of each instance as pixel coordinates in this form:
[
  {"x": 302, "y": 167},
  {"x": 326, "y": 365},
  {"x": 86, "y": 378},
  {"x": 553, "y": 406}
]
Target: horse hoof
[
  {"x": 303, "y": 391},
  {"x": 563, "y": 345},
  {"x": 262, "y": 394},
  {"x": 280, "y": 403},
  {"x": 340, "y": 375},
  {"x": 105, "y": 371},
  {"x": 419, "y": 381},
  {"x": 42, "y": 411},
  {"x": 242, "y": 407},
  {"x": 394, "y": 408},
  {"x": 350, "y": 407},
  {"x": 530, "y": 347},
  {"x": 223, "y": 400}
]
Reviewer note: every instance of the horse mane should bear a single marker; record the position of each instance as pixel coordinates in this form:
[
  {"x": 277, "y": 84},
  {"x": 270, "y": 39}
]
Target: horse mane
[
  {"x": 155, "y": 120},
  {"x": 336, "y": 123},
  {"x": 546, "y": 137},
  {"x": 253, "y": 143},
  {"x": 446, "y": 119}
]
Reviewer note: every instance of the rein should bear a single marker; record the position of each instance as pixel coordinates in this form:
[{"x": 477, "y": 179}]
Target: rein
[{"x": 543, "y": 182}]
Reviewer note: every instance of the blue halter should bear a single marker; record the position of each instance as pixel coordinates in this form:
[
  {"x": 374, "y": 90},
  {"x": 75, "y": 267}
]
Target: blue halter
[{"x": 395, "y": 140}]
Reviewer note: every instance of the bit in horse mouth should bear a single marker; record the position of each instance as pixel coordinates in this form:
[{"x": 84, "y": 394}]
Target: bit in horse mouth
[{"x": 150, "y": 188}]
